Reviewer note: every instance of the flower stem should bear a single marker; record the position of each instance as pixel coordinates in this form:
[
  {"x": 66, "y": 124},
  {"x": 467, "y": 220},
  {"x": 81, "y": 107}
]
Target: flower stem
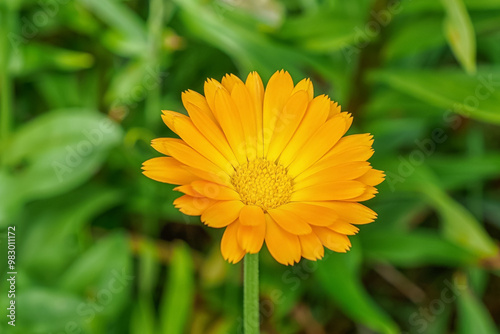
[{"x": 251, "y": 322}]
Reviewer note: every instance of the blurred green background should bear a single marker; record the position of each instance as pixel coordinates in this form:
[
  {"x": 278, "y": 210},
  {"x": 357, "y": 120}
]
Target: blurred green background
[{"x": 101, "y": 249}]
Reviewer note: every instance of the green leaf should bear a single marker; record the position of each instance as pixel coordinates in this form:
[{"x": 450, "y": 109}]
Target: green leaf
[
  {"x": 245, "y": 45},
  {"x": 319, "y": 33},
  {"x": 64, "y": 90},
  {"x": 473, "y": 316},
  {"x": 426, "y": 6},
  {"x": 413, "y": 248},
  {"x": 132, "y": 84},
  {"x": 340, "y": 282},
  {"x": 119, "y": 17},
  {"x": 149, "y": 266},
  {"x": 478, "y": 280},
  {"x": 37, "y": 57},
  {"x": 440, "y": 323},
  {"x": 103, "y": 274},
  {"x": 406, "y": 39},
  {"x": 460, "y": 34},
  {"x": 105, "y": 265},
  {"x": 458, "y": 224},
  {"x": 476, "y": 96},
  {"x": 45, "y": 310},
  {"x": 59, "y": 150},
  {"x": 456, "y": 171},
  {"x": 394, "y": 133},
  {"x": 58, "y": 222},
  {"x": 143, "y": 320},
  {"x": 12, "y": 200},
  {"x": 177, "y": 300}
]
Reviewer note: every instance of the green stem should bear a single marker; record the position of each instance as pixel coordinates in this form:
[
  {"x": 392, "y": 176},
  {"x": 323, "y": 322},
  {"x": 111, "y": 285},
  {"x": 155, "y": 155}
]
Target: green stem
[{"x": 251, "y": 322}]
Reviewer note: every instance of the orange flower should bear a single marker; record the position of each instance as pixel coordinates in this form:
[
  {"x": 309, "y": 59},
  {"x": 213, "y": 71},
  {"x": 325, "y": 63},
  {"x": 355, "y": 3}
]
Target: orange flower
[{"x": 268, "y": 165}]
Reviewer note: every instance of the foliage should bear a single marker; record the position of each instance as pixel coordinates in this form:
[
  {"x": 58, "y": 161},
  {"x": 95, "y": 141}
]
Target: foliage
[{"x": 101, "y": 249}]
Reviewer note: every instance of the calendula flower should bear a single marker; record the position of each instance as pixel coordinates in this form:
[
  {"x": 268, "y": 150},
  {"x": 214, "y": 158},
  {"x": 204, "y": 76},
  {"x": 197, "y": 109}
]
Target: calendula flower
[{"x": 268, "y": 165}]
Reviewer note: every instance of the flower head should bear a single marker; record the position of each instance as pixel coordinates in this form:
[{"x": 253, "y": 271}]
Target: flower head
[{"x": 268, "y": 165}]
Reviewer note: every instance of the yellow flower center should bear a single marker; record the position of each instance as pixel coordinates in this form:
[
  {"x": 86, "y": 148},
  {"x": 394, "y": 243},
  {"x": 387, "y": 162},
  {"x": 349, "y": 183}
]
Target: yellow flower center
[{"x": 263, "y": 183}]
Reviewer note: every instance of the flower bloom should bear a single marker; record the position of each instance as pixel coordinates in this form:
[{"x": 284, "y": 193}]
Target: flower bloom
[{"x": 268, "y": 165}]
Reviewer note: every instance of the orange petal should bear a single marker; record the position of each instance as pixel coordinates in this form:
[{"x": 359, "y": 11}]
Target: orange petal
[
  {"x": 220, "y": 177},
  {"x": 192, "y": 98},
  {"x": 229, "y": 119},
  {"x": 188, "y": 190},
  {"x": 283, "y": 246},
  {"x": 373, "y": 177},
  {"x": 315, "y": 116},
  {"x": 230, "y": 249},
  {"x": 278, "y": 90},
  {"x": 190, "y": 157},
  {"x": 222, "y": 213},
  {"x": 192, "y": 206},
  {"x": 215, "y": 191},
  {"x": 289, "y": 221},
  {"x": 195, "y": 139},
  {"x": 256, "y": 90},
  {"x": 168, "y": 170},
  {"x": 343, "y": 172},
  {"x": 229, "y": 81},
  {"x": 311, "y": 246},
  {"x": 369, "y": 193},
  {"x": 159, "y": 144},
  {"x": 247, "y": 111},
  {"x": 211, "y": 87},
  {"x": 251, "y": 215},
  {"x": 354, "y": 213},
  {"x": 287, "y": 123},
  {"x": 348, "y": 117},
  {"x": 332, "y": 240},
  {"x": 358, "y": 153},
  {"x": 251, "y": 237},
  {"x": 329, "y": 191},
  {"x": 212, "y": 131},
  {"x": 343, "y": 227},
  {"x": 334, "y": 109},
  {"x": 318, "y": 144},
  {"x": 312, "y": 213},
  {"x": 306, "y": 86},
  {"x": 347, "y": 143},
  {"x": 169, "y": 117}
]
